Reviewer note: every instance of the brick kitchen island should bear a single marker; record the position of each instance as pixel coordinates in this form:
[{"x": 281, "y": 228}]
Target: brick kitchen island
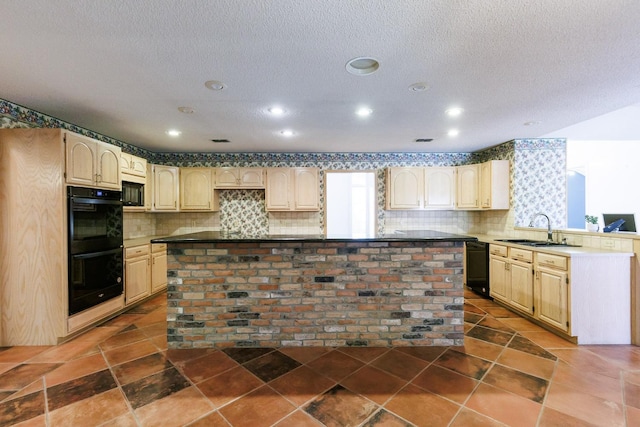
[{"x": 275, "y": 291}]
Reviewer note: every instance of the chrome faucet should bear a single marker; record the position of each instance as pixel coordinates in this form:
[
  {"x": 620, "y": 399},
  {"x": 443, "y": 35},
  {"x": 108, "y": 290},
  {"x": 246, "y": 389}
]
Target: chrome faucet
[{"x": 549, "y": 232}]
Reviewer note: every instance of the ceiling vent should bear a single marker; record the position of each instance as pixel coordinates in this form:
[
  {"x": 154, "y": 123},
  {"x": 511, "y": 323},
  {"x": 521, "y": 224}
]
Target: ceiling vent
[
  {"x": 424, "y": 139},
  {"x": 220, "y": 141}
]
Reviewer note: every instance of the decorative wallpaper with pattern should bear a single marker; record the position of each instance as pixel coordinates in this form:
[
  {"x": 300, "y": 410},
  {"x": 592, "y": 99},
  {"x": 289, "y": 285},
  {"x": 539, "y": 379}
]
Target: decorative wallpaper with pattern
[
  {"x": 540, "y": 184},
  {"x": 538, "y": 181},
  {"x": 14, "y": 115}
]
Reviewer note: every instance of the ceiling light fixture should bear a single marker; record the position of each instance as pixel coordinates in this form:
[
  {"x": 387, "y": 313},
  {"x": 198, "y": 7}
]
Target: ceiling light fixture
[
  {"x": 418, "y": 87},
  {"x": 214, "y": 85},
  {"x": 186, "y": 110},
  {"x": 276, "y": 111},
  {"x": 453, "y": 132},
  {"x": 454, "y": 112},
  {"x": 173, "y": 132},
  {"x": 287, "y": 132},
  {"x": 362, "y": 66},
  {"x": 364, "y": 111}
]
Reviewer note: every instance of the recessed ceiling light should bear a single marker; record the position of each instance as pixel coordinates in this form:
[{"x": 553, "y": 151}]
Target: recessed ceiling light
[
  {"x": 364, "y": 111},
  {"x": 453, "y": 132},
  {"x": 454, "y": 112},
  {"x": 532, "y": 123},
  {"x": 186, "y": 110},
  {"x": 362, "y": 66},
  {"x": 173, "y": 132},
  {"x": 286, "y": 132},
  {"x": 276, "y": 111},
  {"x": 418, "y": 87},
  {"x": 214, "y": 85}
]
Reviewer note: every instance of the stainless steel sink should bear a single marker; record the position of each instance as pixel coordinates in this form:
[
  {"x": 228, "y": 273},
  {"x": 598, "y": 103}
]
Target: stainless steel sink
[{"x": 535, "y": 243}]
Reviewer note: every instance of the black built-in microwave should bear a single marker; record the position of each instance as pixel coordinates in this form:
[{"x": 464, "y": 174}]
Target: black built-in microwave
[{"x": 132, "y": 194}]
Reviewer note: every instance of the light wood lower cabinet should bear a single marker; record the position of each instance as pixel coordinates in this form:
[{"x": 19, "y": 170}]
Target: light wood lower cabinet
[
  {"x": 137, "y": 273},
  {"x": 553, "y": 290},
  {"x": 158, "y": 267},
  {"x": 145, "y": 271},
  {"x": 584, "y": 297},
  {"x": 521, "y": 281},
  {"x": 511, "y": 275}
]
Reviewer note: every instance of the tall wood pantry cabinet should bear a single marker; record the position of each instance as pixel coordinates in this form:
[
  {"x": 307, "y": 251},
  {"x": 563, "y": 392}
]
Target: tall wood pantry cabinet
[{"x": 33, "y": 226}]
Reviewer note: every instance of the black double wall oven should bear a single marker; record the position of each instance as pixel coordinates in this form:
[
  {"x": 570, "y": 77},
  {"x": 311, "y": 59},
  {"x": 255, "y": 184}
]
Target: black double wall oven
[{"x": 95, "y": 246}]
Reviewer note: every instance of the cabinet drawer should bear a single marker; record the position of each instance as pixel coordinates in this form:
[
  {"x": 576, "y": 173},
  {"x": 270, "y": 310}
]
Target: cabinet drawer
[
  {"x": 521, "y": 254},
  {"x": 136, "y": 251},
  {"x": 498, "y": 250},
  {"x": 158, "y": 247},
  {"x": 553, "y": 261}
]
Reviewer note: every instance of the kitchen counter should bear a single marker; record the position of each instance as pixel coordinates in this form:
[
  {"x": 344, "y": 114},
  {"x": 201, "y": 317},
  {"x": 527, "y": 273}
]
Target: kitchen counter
[
  {"x": 137, "y": 241},
  {"x": 219, "y": 236},
  {"x": 228, "y": 290},
  {"x": 573, "y": 251}
]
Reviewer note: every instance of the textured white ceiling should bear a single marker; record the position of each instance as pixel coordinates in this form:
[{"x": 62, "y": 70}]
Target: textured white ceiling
[{"x": 122, "y": 68}]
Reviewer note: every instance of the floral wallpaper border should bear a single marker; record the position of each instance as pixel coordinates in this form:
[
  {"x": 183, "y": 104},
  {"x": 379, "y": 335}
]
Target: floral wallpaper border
[{"x": 538, "y": 166}]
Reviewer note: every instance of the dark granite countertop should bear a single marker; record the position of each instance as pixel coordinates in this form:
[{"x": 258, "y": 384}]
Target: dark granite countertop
[{"x": 399, "y": 236}]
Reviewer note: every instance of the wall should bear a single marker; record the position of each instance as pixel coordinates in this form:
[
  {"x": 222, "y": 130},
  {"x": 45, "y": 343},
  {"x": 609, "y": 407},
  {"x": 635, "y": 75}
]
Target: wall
[
  {"x": 537, "y": 185},
  {"x": 610, "y": 170}
]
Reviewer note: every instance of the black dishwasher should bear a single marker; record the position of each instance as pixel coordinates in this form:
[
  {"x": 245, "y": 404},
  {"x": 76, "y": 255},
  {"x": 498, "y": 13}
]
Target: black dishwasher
[{"x": 477, "y": 268}]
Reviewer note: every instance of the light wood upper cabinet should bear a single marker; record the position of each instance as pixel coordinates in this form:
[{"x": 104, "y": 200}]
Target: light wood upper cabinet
[
  {"x": 278, "y": 189},
  {"x": 404, "y": 188},
  {"x": 230, "y": 177},
  {"x": 306, "y": 189},
  {"x": 196, "y": 190},
  {"x": 494, "y": 184},
  {"x": 483, "y": 186},
  {"x": 292, "y": 189},
  {"x": 439, "y": 188},
  {"x": 131, "y": 165},
  {"x": 91, "y": 163},
  {"x": 166, "y": 184},
  {"x": 468, "y": 187}
]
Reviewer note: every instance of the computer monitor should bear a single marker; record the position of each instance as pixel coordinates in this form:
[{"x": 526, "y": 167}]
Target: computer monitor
[{"x": 629, "y": 221}]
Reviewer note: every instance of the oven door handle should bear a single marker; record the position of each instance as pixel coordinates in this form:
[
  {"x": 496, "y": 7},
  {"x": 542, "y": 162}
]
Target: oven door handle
[
  {"x": 90, "y": 201},
  {"x": 97, "y": 254}
]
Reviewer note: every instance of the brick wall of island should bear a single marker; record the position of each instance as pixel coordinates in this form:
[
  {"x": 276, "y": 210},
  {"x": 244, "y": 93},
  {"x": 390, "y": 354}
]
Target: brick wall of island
[{"x": 309, "y": 293}]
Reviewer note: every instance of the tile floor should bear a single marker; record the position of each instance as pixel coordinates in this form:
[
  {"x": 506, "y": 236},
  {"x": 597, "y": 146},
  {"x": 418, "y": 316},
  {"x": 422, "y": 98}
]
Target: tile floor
[{"x": 509, "y": 372}]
